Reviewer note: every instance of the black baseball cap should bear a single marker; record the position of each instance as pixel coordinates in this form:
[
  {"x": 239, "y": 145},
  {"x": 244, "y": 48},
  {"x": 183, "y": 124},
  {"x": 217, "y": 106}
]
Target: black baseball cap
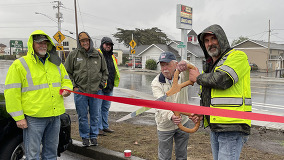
[
  {"x": 39, "y": 38},
  {"x": 167, "y": 57}
]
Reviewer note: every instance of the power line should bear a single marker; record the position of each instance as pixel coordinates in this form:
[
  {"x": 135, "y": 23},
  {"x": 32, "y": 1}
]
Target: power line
[
  {"x": 23, "y": 4},
  {"x": 277, "y": 36},
  {"x": 102, "y": 18},
  {"x": 26, "y": 26}
]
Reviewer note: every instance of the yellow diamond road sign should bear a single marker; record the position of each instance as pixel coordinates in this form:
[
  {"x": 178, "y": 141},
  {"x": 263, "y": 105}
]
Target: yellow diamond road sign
[
  {"x": 132, "y": 51},
  {"x": 59, "y": 47},
  {"x": 132, "y": 43},
  {"x": 59, "y": 37}
]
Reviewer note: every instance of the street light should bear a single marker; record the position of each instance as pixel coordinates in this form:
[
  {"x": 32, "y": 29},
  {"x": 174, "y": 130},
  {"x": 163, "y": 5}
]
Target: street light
[{"x": 47, "y": 17}]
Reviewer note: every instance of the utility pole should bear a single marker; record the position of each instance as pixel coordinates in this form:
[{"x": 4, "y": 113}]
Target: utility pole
[
  {"x": 59, "y": 15},
  {"x": 76, "y": 20},
  {"x": 268, "y": 55}
]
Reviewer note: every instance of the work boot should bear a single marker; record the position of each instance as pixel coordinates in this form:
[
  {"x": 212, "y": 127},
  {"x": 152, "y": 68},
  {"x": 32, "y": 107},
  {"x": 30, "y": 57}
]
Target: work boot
[
  {"x": 86, "y": 142},
  {"x": 108, "y": 130},
  {"x": 102, "y": 133},
  {"x": 94, "y": 142}
]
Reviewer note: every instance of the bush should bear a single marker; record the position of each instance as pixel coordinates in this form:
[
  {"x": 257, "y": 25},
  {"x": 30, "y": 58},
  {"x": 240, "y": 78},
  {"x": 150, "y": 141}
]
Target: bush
[
  {"x": 151, "y": 64},
  {"x": 8, "y": 57}
]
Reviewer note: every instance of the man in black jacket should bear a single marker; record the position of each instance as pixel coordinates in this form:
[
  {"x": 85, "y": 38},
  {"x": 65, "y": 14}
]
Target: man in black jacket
[{"x": 106, "y": 49}]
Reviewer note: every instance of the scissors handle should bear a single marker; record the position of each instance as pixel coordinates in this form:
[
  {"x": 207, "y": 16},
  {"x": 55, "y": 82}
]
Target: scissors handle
[
  {"x": 188, "y": 130},
  {"x": 177, "y": 87}
]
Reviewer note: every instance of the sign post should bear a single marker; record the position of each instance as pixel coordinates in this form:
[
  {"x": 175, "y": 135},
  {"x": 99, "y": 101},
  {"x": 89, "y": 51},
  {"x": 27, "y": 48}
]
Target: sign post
[
  {"x": 184, "y": 22},
  {"x": 132, "y": 44},
  {"x": 59, "y": 37}
]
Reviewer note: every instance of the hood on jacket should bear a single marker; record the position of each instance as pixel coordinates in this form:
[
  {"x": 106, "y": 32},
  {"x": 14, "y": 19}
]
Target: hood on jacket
[
  {"x": 91, "y": 43},
  {"x": 106, "y": 40},
  {"x": 221, "y": 36},
  {"x": 51, "y": 49}
]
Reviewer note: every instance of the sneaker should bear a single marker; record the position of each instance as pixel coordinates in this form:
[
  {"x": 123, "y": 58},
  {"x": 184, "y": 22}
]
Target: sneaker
[
  {"x": 108, "y": 130},
  {"x": 94, "y": 142},
  {"x": 86, "y": 142},
  {"x": 102, "y": 133}
]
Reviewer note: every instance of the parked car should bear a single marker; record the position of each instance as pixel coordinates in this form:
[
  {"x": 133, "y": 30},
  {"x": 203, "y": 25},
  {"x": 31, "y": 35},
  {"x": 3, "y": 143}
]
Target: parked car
[
  {"x": 253, "y": 66},
  {"x": 11, "y": 137},
  {"x": 138, "y": 64}
]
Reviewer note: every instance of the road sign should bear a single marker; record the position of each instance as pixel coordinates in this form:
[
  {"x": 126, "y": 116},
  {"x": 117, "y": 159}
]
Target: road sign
[
  {"x": 16, "y": 43},
  {"x": 132, "y": 51},
  {"x": 59, "y": 47},
  {"x": 59, "y": 37},
  {"x": 132, "y": 43},
  {"x": 181, "y": 46}
]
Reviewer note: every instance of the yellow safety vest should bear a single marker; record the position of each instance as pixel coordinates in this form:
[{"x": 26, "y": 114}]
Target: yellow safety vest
[
  {"x": 32, "y": 88},
  {"x": 238, "y": 96}
]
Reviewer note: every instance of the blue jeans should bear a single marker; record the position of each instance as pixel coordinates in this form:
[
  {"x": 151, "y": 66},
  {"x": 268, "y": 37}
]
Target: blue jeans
[
  {"x": 43, "y": 131},
  {"x": 227, "y": 145},
  {"x": 103, "y": 122},
  {"x": 84, "y": 105},
  {"x": 166, "y": 139}
]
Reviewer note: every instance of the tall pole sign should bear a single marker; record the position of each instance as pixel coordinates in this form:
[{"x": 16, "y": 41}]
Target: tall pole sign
[
  {"x": 59, "y": 37},
  {"x": 132, "y": 44},
  {"x": 184, "y": 22},
  {"x": 18, "y": 44}
]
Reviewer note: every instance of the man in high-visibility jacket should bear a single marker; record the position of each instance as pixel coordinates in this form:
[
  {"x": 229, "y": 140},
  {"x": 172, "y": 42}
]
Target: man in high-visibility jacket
[
  {"x": 225, "y": 84},
  {"x": 32, "y": 96},
  {"x": 106, "y": 49}
]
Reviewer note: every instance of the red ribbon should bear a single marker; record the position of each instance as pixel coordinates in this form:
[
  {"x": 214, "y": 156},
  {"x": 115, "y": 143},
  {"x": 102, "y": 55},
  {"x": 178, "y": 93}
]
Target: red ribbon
[{"x": 187, "y": 108}]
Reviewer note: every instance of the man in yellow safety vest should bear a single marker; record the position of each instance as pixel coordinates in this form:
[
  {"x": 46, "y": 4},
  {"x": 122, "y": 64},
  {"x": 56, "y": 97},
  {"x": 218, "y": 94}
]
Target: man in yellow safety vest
[
  {"x": 225, "y": 84},
  {"x": 32, "y": 96}
]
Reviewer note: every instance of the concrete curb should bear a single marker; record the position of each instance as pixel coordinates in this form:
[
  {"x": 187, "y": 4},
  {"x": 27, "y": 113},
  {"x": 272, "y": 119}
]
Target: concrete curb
[{"x": 97, "y": 152}]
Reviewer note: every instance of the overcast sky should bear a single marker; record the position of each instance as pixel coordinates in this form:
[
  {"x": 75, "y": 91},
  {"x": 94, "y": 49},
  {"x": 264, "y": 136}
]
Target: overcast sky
[{"x": 99, "y": 18}]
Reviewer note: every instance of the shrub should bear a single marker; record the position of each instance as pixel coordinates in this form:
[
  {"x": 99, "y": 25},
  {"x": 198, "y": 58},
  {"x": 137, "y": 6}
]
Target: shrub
[
  {"x": 8, "y": 57},
  {"x": 151, "y": 64}
]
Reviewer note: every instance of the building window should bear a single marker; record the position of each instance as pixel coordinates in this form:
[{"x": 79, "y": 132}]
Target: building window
[
  {"x": 274, "y": 56},
  {"x": 65, "y": 43},
  {"x": 73, "y": 49},
  {"x": 66, "y": 49}
]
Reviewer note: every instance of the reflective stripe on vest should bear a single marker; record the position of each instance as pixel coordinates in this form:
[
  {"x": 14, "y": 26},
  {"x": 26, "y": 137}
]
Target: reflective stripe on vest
[
  {"x": 230, "y": 101},
  {"x": 59, "y": 70},
  {"x": 231, "y": 72},
  {"x": 13, "y": 85},
  {"x": 66, "y": 77},
  {"x": 58, "y": 84},
  {"x": 228, "y": 69},
  {"x": 223, "y": 59},
  {"x": 18, "y": 113},
  {"x": 31, "y": 86}
]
